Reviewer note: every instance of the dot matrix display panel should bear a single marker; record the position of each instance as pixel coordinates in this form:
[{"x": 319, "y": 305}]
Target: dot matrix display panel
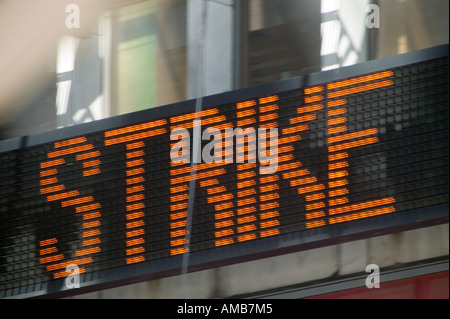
[{"x": 358, "y": 153}]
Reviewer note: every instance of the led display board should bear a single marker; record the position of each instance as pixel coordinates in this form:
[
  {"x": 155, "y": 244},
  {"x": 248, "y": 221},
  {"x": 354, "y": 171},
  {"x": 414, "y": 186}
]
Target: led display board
[{"x": 360, "y": 151}]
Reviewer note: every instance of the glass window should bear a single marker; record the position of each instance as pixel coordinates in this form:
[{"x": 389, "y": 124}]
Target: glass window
[
  {"x": 148, "y": 55},
  {"x": 283, "y": 40},
  {"x": 287, "y": 38}
]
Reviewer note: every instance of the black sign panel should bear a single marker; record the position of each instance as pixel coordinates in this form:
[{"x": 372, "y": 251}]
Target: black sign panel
[{"x": 355, "y": 152}]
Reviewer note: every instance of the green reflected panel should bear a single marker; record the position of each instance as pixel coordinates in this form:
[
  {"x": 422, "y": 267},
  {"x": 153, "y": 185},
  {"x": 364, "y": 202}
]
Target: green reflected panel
[{"x": 135, "y": 57}]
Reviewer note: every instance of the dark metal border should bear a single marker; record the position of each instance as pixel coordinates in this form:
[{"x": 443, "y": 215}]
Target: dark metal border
[{"x": 269, "y": 247}]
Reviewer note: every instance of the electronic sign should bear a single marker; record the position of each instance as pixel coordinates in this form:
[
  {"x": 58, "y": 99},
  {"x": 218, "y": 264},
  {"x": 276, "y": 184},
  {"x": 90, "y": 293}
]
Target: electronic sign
[{"x": 354, "y": 152}]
